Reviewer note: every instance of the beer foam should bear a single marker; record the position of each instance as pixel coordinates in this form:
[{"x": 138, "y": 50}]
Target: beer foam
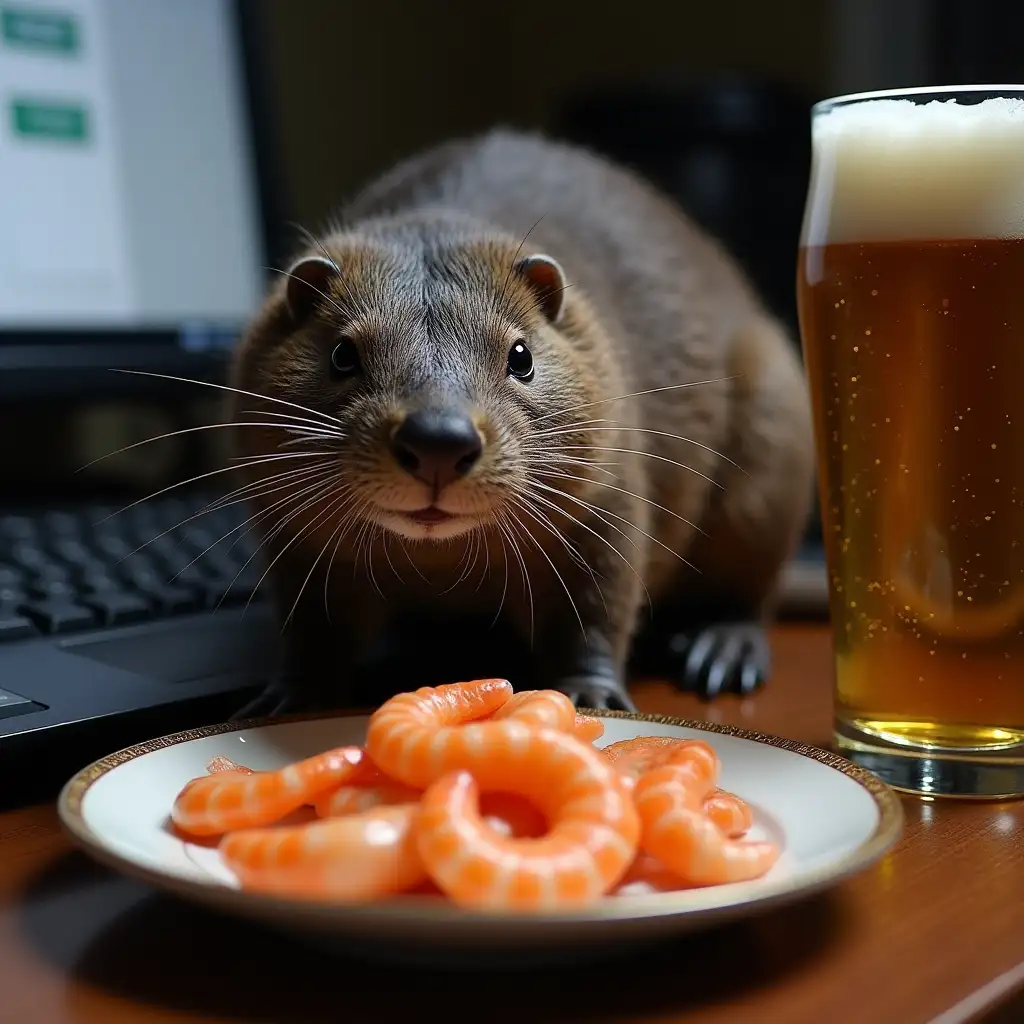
[{"x": 892, "y": 169}]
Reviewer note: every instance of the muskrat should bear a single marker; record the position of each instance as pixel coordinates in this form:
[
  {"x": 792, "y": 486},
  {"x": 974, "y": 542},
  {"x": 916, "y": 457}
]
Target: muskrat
[{"x": 535, "y": 421}]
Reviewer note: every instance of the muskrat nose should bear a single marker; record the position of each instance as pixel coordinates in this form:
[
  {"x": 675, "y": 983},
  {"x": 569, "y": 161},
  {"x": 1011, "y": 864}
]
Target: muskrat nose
[{"x": 436, "y": 446}]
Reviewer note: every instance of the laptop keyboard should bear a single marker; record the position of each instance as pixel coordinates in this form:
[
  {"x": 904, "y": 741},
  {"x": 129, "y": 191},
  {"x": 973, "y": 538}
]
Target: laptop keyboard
[{"x": 95, "y": 566}]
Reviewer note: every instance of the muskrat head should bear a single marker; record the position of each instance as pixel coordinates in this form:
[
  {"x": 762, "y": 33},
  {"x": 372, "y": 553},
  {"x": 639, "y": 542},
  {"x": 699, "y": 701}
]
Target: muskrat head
[{"x": 447, "y": 363}]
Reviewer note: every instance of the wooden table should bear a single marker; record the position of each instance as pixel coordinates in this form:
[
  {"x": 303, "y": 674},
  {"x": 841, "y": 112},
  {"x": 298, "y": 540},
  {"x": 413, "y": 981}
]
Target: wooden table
[{"x": 934, "y": 933}]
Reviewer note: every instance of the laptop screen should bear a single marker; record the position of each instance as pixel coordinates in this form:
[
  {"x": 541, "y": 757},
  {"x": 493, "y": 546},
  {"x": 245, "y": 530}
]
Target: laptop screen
[{"x": 128, "y": 199}]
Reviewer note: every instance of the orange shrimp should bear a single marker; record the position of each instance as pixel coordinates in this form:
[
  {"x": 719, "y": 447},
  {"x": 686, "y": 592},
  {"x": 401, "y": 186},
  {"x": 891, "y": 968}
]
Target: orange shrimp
[
  {"x": 355, "y": 858},
  {"x": 359, "y": 797},
  {"x": 550, "y": 708},
  {"x": 675, "y": 830},
  {"x": 634, "y": 756},
  {"x": 728, "y": 812},
  {"x": 410, "y": 736},
  {"x": 588, "y": 728},
  {"x": 594, "y": 828},
  {"x": 229, "y": 800},
  {"x": 545, "y": 708}
]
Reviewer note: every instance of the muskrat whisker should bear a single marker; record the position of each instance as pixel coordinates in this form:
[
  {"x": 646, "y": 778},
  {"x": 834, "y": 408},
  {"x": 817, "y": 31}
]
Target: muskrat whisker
[
  {"x": 568, "y": 593},
  {"x": 331, "y": 301},
  {"x": 310, "y": 237},
  {"x": 635, "y": 394},
  {"x": 487, "y": 561},
  {"x": 346, "y": 507},
  {"x": 604, "y": 540},
  {"x": 468, "y": 559},
  {"x": 647, "y": 455},
  {"x": 508, "y": 525},
  {"x": 258, "y": 516},
  {"x": 257, "y": 460},
  {"x": 312, "y": 569},
  {"x": 235, "y": 497},
  {"x": 298, "y": 535},
  {"x": 504, "y": 585},
  {"x": 179, "y": 433},
  {"x": 621, "y": 490},
  {"x": 313, "y": 478},
  {"x": 601, "y": 512},
  {"x": 499, "y": 305},
  {"x": 408, "y": 558},
  {"x": 524, "y": 504},
  {"x": 304, "y": 437},
  {"x": 387, "y": 554},
  {"x": 567, "y": 460},
  {"x": 648, "y": 430},
  {"x": 374, "y": 528},
  {"x": 233, "y": 390},
  {"x": 580, "y": 425},
  {"x": 288, "y": 417}
]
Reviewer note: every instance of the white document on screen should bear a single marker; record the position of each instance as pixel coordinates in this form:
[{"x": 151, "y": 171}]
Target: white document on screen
[{"x": 64, "y": 252}]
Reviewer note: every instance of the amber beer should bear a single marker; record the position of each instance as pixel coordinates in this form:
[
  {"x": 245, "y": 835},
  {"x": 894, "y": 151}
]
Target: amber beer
[{"x": 911, "y": 300}]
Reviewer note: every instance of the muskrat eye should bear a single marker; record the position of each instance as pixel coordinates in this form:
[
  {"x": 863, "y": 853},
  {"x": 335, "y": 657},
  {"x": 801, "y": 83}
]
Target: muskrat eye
[
  {"x": 520, "y": 362},
  {"x": 345, "y": 358}
]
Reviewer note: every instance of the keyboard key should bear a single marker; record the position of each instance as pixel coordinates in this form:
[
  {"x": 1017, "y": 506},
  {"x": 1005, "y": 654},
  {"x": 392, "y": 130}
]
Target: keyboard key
[
  {"x": 46, "y": 589},
  {"x": 100, "y": 583},
  {"x": 14, "y": 625},
  {"x": 11, "y": 577},
  {"x": 28, "y": 555},
  {"x": 74, "y": 552},
  {"x": 119, "y": 609},
  {"x": 59, "y": 616},
  {"x": 17, "y": 527}
]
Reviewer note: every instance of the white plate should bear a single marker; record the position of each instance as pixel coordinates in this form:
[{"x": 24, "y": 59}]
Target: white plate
[{"x": 832, "y": 818}]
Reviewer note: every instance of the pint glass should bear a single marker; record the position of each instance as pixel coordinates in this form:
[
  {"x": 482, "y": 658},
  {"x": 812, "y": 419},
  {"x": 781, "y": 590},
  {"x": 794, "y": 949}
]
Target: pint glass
[{"x": 911, "y": 299}]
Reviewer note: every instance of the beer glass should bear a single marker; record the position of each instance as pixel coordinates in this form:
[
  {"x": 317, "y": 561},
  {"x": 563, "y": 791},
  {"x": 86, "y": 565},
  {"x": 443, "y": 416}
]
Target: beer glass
[{"x": 911, "y": 299}]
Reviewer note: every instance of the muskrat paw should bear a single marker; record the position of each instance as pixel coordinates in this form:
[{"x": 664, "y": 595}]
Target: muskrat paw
[
  {"x": 727, "y": 657},
  {"x": 596, "y": 691}
]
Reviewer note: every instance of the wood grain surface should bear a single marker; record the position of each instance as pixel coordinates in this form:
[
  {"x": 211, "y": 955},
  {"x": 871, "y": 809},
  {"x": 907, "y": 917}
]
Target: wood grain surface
[{"x": 933, "y": 933}]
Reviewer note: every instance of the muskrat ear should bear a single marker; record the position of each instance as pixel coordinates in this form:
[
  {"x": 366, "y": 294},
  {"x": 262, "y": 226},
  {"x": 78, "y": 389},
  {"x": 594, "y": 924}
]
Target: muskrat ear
[
  {"x": 546, "y": 277},
  {"x": 307, "y": 284}
]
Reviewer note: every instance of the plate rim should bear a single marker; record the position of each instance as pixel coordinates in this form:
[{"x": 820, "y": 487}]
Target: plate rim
[{"x": 688, "y": 903}]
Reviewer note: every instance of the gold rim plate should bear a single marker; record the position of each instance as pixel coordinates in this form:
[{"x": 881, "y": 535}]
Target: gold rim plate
[{"x": 711, "y": 900}]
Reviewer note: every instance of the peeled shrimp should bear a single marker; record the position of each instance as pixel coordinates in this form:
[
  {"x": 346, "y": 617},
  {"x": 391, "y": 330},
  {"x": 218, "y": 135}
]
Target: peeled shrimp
[
  {"x": 544, "y": 708},
  {"x": 685, "y": 840},
  {"x": 412, "y": 735},
  {"x": 552, "y": 709},
  {"x": 728, "y": 812},
  {"x": 634, "y": 757},
  {"x": 639, "y": 754},
  {"x": 588, "y": 728},
  {"x": 594, "y": 828},
  {"x": 228, "y": 800},
  {"x": 355, "y": 858}
]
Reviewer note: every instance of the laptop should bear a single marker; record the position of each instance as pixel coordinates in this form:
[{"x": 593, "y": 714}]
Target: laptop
[{"x": 136, "y": 213}]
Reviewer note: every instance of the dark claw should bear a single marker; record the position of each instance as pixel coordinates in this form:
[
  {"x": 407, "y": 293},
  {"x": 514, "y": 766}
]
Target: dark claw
[
  {"x": 596, "y": 692},
  {"x": 729, "y": 657},
  {"x": 724, "y": 665}
]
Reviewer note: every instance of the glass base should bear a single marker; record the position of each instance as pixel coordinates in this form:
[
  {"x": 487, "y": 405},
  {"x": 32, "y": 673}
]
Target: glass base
[{"x": 993, "y": 774}]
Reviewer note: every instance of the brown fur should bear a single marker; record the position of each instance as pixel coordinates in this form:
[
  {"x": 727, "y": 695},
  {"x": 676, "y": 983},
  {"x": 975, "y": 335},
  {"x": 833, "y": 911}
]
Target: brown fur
[{"x": 427, "y": 292}]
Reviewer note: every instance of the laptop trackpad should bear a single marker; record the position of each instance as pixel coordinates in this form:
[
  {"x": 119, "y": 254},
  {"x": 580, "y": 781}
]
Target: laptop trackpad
[{"x": 186, "y": 652}]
